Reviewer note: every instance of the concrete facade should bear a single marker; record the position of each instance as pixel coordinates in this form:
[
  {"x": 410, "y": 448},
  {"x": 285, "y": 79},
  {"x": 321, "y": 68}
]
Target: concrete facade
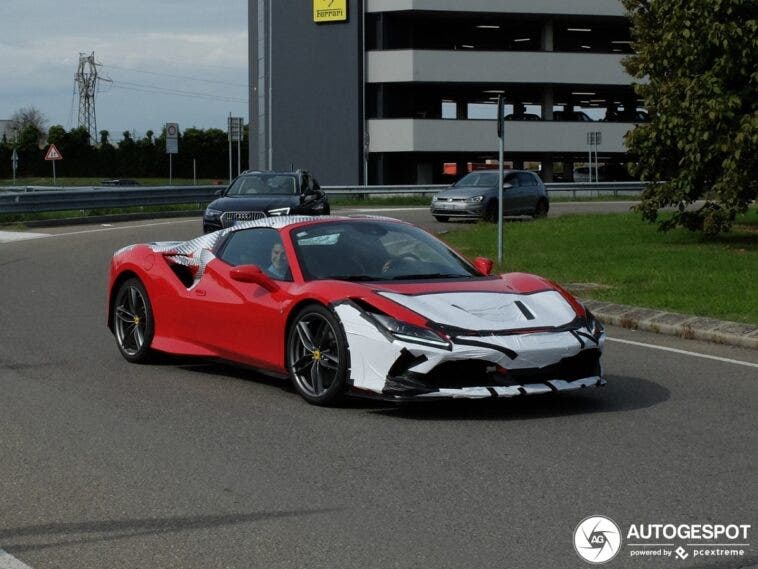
[{"x": 405, "y": 88}]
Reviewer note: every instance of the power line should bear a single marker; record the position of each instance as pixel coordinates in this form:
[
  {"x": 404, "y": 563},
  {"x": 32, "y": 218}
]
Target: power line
[
  {"x": 179, "y": 76},
  {"x": 129, "y": 86}
]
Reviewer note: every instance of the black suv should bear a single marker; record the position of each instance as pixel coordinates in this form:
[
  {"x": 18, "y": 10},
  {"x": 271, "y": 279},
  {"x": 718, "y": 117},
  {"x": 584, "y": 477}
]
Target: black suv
[{"x": 257, "y": 194}]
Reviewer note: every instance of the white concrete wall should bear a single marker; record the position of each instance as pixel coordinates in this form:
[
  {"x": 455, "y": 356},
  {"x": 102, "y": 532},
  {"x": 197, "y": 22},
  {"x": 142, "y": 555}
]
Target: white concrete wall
[
  {"x": 496, "y": 67},
  {"x": 557, "y": 7},
  {"x": 423, "y": 135}
]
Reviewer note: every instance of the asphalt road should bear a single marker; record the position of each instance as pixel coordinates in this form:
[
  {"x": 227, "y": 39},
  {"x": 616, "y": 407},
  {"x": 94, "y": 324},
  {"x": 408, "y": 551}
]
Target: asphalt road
[{"x": 195, "y": 464}]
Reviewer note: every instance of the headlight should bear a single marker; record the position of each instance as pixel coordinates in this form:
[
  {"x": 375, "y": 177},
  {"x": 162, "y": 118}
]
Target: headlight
[
  {"x": 410, "y": 333},
  {"x": 435, "y": 198},
  {"x": 212, "y": 214},
  {"x": 475, "y": 199},
  {"x": 279, "y": 211}
]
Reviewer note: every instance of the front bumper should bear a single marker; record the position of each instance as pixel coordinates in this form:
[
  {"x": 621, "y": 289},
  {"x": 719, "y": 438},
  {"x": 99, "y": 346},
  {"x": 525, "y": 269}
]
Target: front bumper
[
  {"x": 457, "y": 209},
  {"x": 474, "y": 367}
]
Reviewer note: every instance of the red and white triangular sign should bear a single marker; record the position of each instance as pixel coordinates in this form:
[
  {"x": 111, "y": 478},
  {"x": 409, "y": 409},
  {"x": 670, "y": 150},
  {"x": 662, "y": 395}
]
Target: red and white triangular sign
[{"x": 53, "y": 153}]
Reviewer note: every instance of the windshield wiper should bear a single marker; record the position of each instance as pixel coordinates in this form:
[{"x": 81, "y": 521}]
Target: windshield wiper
[{"x": 431, "y": 276}]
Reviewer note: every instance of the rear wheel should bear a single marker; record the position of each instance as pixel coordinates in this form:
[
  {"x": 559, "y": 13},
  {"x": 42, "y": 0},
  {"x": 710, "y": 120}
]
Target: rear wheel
[
  {"x": 442, "y": 218},
  {"x": 133, "y": 322},
  {"x": 540, "y": 209},
  {"x": 317, "y": 355}
]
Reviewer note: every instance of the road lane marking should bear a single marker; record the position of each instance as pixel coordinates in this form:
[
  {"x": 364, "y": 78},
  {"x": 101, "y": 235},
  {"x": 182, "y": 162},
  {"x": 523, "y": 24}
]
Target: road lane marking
[
  {"x": 11, "y": 236},
  {"x": 120, "y": 227},
  {"x": 7, "y": 561},
  {"x": 375, "y": 209},
  {"x": 684, "y": 352}
]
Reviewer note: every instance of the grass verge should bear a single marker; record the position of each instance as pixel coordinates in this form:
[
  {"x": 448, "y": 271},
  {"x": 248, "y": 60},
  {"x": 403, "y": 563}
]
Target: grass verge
[{"x": 634, "y": 262}]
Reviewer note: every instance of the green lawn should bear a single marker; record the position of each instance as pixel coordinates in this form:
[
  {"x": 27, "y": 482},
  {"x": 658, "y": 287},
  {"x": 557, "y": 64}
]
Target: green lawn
[{"x": 639, "y": 265}]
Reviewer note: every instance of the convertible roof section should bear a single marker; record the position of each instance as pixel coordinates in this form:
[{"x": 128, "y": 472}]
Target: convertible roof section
[
  {"x": 279, "y": 222},
  {"x": 196, "y": 253}
]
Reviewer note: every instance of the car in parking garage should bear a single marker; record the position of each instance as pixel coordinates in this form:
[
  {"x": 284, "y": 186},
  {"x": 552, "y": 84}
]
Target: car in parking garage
[{"x": 475, "y": 196}]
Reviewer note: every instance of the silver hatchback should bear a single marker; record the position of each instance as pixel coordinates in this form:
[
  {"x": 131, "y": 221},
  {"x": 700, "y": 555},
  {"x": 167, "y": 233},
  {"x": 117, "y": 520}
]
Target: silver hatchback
[{"x": 475, "y": 196}]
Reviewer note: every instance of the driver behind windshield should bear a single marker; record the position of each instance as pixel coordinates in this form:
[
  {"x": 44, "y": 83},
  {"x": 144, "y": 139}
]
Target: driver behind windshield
[{"x": 279, "y": 266}]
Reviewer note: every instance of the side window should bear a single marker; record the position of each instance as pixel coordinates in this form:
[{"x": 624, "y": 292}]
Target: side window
[
  {"x": 525, "y": 179},
  {"x": 259, "y": 246},
  {"x": 510, "y": 179}
]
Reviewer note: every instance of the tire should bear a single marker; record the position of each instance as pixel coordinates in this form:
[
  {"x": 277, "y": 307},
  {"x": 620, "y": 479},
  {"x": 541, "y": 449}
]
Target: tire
[
  {"x": 442, "y": 218},
  {"x": 490, "y": 212},
  {"x": 317, "y": 355},
  {"x": 133, "y": 323},
  {"x": 540, "y": 210}
]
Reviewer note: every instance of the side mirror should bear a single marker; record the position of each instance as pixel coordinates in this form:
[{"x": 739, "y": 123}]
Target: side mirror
[
  {"x": 309, "y": 196},
  {"x": 483, "y": 265},
  {"x": 219, "y": 192},
  {"x": 253, "y": 274}
]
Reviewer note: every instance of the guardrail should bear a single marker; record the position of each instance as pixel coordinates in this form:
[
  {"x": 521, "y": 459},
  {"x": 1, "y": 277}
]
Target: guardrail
[{"x": 39, "y": 199}]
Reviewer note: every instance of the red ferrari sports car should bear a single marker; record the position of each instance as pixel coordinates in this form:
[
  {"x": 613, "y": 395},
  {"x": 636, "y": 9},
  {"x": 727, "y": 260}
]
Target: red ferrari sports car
[{"x": 369, "y": 305}]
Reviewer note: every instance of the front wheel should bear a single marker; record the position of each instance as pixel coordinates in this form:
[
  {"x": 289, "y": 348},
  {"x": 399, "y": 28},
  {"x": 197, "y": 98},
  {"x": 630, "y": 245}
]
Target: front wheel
[
  {"x": 490, "y": 212},
  {"x": 540, "y": 209},
  {"x": 133, "y": 322},
  {"x": 317, "y": 355}
]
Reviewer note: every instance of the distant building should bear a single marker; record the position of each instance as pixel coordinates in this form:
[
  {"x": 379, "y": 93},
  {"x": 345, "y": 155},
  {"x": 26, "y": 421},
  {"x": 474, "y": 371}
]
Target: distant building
[{"x": 404, "y": 91}]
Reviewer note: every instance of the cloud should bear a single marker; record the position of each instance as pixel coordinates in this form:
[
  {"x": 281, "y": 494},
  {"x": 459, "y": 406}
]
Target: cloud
[{"x": 39, "y": 54}]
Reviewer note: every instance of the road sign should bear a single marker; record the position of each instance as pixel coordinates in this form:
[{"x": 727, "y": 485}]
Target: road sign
[
  {"x": 14, "y": 163},
  {"x": 53, "y": 153},
  {"x": 172, "y": 138},
  {"x": 500, "y": 116},
  {"x": 235, "y": 125}
]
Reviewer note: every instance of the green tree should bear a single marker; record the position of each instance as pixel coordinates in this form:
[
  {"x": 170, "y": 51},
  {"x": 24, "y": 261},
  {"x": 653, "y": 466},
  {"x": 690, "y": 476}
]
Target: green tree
[{"x": 697, "y": 62}]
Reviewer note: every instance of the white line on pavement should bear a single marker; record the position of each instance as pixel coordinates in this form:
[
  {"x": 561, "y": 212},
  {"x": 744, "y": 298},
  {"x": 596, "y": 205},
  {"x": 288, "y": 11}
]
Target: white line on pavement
[
  {"x": 11, "y": 236},
  {"x": 7, "y": 561},
  {"x": 375, "y": 209},
  {"x": 122, "y": 227},
  {"x": 685, "y": 352}
]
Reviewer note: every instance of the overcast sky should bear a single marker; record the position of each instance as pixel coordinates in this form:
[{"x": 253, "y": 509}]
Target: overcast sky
[{"x": 147, "y": 47}]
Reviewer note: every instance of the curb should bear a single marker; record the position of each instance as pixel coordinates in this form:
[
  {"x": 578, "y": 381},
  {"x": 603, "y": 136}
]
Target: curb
[{"x": 674, "y": 324}]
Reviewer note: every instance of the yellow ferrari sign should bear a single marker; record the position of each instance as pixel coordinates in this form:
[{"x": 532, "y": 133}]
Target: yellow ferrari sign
[{"x": 329, "y": 10}]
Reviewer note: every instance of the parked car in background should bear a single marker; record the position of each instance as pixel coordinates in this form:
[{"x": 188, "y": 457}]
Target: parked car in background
[
  {"x": 475, "y": 196},
  {"x": 119, "y": 182},
  {"x": 574, "y": 116},
  {"x": 257, "y": 194},
  {"x": 523, "y": 117}
]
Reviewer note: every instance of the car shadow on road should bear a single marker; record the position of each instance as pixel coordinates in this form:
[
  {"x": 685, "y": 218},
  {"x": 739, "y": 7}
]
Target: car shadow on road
[
  {"x": 76, "y": 533},
  {"x": 622, "y": 394}
]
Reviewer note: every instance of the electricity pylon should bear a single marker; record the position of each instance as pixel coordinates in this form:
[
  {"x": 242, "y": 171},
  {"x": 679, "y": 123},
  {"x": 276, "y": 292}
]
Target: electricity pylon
[{"x": 86, "y": 80}]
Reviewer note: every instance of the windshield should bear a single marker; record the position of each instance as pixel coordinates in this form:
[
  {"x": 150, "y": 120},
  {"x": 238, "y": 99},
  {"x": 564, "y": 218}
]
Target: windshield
[
  {"x": 478, "y": 180},
  {"x": 375, "y": 251},
  {"x": 263, "y": 184}
]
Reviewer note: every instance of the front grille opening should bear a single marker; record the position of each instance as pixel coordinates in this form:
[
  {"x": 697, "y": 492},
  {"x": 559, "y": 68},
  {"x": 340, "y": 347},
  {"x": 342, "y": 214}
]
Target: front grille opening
[{"x": 478, "y": 373}]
